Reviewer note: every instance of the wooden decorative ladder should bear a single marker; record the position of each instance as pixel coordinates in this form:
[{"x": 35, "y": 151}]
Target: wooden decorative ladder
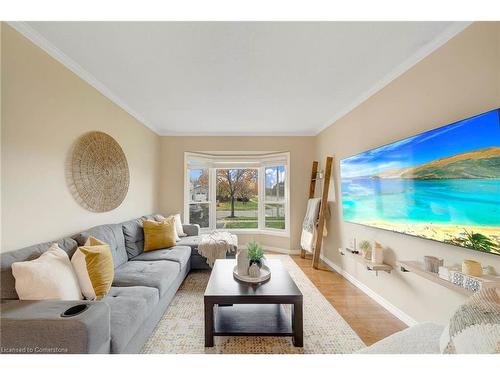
[{"x": 323, "y": 207}]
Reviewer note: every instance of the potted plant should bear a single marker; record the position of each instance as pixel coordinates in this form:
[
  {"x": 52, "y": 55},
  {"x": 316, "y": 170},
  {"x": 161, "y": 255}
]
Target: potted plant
[{"x": 255, "y": 253}]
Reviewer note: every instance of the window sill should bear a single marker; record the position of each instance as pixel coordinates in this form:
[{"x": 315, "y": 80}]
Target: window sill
[{"x": 265, "y": 232}]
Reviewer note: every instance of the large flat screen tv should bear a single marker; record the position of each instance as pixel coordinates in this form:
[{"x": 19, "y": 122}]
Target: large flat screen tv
[{"x": 442, "y": 185}]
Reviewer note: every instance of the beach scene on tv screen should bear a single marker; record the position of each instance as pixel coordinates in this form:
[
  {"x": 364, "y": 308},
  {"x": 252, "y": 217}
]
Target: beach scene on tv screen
[{"x": 443, "y": 185}]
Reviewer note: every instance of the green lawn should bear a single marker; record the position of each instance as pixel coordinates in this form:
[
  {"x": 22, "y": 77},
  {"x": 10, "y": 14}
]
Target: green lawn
[
  {"x": 239, "y": 206},
  {"x": 252, "y": 223},
  {"x": 276, "y": 224}
]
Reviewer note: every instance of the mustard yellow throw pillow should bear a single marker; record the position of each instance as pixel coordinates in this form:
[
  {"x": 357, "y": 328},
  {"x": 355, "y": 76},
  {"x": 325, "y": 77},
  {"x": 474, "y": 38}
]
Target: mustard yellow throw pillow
[
  {"x": 159, "y": 235},
  {"x": 93, "y": 264}
]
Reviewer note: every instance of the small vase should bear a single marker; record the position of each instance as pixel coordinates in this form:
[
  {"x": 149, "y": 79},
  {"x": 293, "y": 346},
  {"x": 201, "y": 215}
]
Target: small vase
[
  {"x": 254, "y": 270},
  {"x": 366, "y": 254},
  {"x": 378, "y": 254},
  {"x": 432, "y": 264},
  {"x": 242, "y": 262}
]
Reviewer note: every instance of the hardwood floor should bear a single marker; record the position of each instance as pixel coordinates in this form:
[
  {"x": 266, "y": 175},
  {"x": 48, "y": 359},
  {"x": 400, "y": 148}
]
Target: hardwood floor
[{"x": 366, "y": 317}]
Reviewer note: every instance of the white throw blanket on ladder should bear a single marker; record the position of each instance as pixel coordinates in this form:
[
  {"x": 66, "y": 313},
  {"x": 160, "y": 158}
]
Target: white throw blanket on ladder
[
  {"x": 216, "y": 245},
  {"x": 309, "y": 226}
]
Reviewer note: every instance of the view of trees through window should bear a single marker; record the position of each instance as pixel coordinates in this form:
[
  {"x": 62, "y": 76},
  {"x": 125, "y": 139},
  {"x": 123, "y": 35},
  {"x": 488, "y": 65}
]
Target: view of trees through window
[{"x": 235, "y": 200}]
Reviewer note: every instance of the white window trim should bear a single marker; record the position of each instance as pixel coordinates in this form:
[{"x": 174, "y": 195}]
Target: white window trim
[{"x": 256, "y": 160}]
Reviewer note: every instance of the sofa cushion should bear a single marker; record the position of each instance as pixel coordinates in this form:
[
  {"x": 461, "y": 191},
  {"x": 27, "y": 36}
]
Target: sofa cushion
[
  {"x": 157, "y": 274},
  {"x": 111, "y": 234},
  {"x": 178, "y": 254},
  {"x": 130, "y": 308},
  {"x": 7, "y": 282},
  {"x": 191, "y": 241},
  {"x": 191, "y": 229},
  {"x": 133, "y": 232}
]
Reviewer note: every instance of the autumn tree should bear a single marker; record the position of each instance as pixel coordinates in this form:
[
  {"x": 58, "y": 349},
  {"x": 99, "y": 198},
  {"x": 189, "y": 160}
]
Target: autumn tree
[
  {"x": 237, "y": 183},
  {"x": 203, "y": 179}
]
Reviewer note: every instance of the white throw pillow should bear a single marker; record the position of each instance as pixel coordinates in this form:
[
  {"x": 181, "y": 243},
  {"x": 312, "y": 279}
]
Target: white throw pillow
[
  {"x": 50, "y": 276},
  {"x": 178, "y": 226}
]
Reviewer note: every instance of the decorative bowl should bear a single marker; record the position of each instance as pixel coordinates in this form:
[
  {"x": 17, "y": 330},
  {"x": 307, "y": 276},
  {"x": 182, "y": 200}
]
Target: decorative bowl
[{"x": 265, "y": 274}]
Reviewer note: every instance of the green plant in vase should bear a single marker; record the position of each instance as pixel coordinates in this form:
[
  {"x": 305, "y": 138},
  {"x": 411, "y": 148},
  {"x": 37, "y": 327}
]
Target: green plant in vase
[{"x": 255, "y": 253}]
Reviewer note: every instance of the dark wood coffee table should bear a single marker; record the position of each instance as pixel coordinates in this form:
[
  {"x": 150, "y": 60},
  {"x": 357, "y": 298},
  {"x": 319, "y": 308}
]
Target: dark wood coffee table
[{"x": 234, "y": 308}]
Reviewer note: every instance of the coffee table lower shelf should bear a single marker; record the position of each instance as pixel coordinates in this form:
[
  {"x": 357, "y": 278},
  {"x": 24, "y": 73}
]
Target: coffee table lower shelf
[
  {"x": 251, "y": 320},
  {"x": 254, "y": 320}
]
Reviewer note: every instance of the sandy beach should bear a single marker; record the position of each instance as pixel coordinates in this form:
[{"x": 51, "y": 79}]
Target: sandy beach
[{"x": 439, "y": 232}]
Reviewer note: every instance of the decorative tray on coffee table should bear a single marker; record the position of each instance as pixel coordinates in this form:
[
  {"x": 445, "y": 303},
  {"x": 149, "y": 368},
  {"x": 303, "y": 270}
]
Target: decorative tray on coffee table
[{"x": 265, "y": 274}]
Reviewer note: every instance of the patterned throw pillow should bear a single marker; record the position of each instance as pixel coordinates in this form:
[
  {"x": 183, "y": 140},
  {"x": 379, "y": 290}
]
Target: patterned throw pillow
[{"x": 475, "y": 327}]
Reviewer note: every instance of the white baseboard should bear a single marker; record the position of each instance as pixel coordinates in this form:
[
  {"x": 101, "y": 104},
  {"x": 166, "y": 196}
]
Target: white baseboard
[{"x": 376, "y": 297}]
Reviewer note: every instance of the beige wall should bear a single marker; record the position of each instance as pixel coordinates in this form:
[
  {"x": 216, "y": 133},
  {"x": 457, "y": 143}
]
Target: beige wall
[
  {"x": 458, "y": 80},
  {"x": 301, "y": 154},
  {"x": 45, "y": 109}
]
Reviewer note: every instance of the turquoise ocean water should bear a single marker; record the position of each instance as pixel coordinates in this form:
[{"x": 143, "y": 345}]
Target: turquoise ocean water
[{"x": 454, "y": 201}]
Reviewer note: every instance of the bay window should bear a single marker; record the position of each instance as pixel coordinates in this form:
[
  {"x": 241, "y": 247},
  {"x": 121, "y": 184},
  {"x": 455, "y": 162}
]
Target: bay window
[{"x": 247, "y": 193}]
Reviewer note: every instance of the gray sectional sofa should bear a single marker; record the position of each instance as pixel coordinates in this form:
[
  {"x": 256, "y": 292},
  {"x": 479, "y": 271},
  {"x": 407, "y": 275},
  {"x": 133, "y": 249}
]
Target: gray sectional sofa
[{"x": 143, "y": 286}]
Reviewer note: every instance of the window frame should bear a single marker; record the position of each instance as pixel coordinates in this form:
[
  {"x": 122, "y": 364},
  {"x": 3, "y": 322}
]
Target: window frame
[
  {"x": 187, "y": 196},
  {"x": 224, "y": 160},
  {"x": 262, "y": 197}
]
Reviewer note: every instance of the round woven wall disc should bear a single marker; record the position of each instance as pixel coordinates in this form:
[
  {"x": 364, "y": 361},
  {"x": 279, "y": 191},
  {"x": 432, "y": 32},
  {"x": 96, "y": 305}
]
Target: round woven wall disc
[{"x": 99, "y": 172}]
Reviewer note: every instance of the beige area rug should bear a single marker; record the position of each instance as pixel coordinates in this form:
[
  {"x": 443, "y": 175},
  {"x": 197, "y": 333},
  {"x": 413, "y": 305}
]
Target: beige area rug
[{"x": 181, "y": 328}]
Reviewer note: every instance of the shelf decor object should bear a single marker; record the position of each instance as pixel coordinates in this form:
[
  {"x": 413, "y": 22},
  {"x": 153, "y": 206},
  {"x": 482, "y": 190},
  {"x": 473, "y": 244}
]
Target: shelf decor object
[
  {"x": 472, "y": 268},
  {"x": 378, "y": 254},
  {"x": 458, "y": 281},
  {"x": 99, "y": 174},
  {"x": 366, "y": 249},
  {"x": 432, "y": 264}
]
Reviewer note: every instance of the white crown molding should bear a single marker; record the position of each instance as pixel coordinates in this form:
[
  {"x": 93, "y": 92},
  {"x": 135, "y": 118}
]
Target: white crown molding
[
  {"x": 422, "y": 53},
  {"x": 36, "y": 38},
  {"x": 401, "y": 315},
  {"x": 243, "y": 134}
]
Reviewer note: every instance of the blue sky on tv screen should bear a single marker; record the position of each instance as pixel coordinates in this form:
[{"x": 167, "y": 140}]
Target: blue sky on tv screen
[{"x": 474, "y": 133}]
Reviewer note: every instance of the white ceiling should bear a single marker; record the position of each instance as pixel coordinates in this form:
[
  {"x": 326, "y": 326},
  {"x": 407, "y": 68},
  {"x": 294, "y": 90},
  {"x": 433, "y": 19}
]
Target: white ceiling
[{"x": 236, "y": 78}]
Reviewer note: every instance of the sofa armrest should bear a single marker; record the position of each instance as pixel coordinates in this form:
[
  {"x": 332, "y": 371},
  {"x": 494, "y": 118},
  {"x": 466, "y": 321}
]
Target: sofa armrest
[
  {"x": 422, "y": 338},
  {"x": 31, "y": 327},
  {"x": 191, "y": 229}
]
